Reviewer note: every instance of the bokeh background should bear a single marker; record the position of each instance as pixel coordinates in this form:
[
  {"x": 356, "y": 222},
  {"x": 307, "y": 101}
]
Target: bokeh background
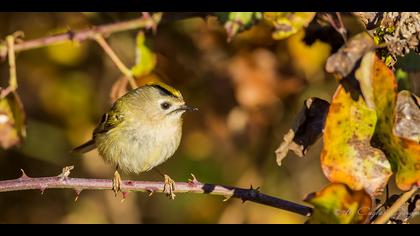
[{"x": 248, "y": 92}]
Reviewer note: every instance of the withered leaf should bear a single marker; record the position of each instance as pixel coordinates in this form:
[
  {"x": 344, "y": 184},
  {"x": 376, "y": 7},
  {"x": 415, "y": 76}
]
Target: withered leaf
[
  {"x": 306, "y": 129},
  {"x": 343, "y": 62},
  {"x": 403, "y": 153},
  {"x": 12, "y": 121},
  {"x": 407, "y": 117}
]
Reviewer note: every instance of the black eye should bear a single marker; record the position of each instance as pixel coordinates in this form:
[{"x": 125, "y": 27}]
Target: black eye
[{"x": 165, "y": 105}]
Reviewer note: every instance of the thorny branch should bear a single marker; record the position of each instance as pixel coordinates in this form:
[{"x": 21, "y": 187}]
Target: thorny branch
[
  {"x": 62, "y": 181},
  {"x": 95, "y": 33},
  {"x": 90, "y": 33}
]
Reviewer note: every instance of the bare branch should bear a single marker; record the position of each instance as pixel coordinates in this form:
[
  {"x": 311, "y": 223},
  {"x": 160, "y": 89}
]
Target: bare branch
[
  {"x": 105, "y": 30},
  {"x": 193, "y": 186}
]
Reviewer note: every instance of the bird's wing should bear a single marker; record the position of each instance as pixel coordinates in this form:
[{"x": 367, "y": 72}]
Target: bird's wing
[{"x": 109, "y": 120}]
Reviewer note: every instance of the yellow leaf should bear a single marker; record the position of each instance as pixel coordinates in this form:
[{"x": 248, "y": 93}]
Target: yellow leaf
[
  {"x": 338, "y": 204},
  {"x": 145, "y": 59},
  {"x": 347, "y": 155},
  {"x": 287, "y": 23}
]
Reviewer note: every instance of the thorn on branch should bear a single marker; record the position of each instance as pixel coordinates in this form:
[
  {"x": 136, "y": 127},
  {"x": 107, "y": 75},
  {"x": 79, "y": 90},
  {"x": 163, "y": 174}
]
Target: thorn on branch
[
  {"x": 227, "y": 198},
  {"x": 77, "y": 191},
  {"x": 253, "y": 193},
  {"x": 42, "y": 189},
  {"x": 71, "y": 34},
  {"x": 194, "y": 180},
  {"x": 256, "y": 189},
  {"x": 23, "y": 176},
  {"x": 151, "y": 191},
  {"x": 124, "y": 196}
]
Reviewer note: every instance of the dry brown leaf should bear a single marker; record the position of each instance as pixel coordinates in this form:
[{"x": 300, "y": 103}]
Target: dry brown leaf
[
  {"x": 343, "y": 62},
  {"x": 407, "y": 117}
]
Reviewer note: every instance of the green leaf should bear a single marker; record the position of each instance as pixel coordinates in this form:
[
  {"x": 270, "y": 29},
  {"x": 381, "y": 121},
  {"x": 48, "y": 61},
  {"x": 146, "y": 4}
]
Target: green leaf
[
  {"x": 338, "y": 204},
  {"x": 145, "y": 59}
]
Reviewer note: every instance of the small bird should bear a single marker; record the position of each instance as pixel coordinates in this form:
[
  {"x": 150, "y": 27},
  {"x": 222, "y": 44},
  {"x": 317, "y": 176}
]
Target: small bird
[{"x": 142, "y": 129}]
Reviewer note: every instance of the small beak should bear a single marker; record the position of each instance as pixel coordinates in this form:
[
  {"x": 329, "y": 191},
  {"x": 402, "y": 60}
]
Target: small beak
[{"x": 186, "y": 108}]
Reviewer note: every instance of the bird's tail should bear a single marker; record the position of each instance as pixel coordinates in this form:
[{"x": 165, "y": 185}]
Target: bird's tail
[{"x": 86, "y": 147}]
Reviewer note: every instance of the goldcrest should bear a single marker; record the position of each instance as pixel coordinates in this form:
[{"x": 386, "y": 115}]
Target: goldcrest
[{"x": 142, "y": 129}]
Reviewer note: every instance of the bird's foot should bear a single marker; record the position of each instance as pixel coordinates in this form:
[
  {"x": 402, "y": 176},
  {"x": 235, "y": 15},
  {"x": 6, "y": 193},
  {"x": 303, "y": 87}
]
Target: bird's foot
[
  {"x": 169, "y": 187},
  {"x": 116, "y": 183}
]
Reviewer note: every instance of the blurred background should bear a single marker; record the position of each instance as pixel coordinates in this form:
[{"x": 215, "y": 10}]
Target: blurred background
[{"x": 248, "y": 92}]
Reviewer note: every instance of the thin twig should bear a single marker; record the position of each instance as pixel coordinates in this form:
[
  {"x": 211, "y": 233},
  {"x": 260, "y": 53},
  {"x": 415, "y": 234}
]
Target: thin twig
[
  {"x": 383, "y": 219},
  {"x": 343, "y": 30},
  {"x": 339, "y": 28},
  {"x": 12, "y": 62},
  {"x": 193, "y": 186},
  {"x": 12, "y": 86},
  {"x": 108, "y": 50}
]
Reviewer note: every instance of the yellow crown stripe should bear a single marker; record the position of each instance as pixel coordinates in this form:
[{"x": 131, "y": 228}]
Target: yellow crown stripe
[{"x": 170, "y": 89}]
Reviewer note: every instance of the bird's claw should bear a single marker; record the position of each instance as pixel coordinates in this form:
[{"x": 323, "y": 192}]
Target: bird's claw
[
  {"x": 169, "y": 187},
  {"x": 116, "y": 183}
]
